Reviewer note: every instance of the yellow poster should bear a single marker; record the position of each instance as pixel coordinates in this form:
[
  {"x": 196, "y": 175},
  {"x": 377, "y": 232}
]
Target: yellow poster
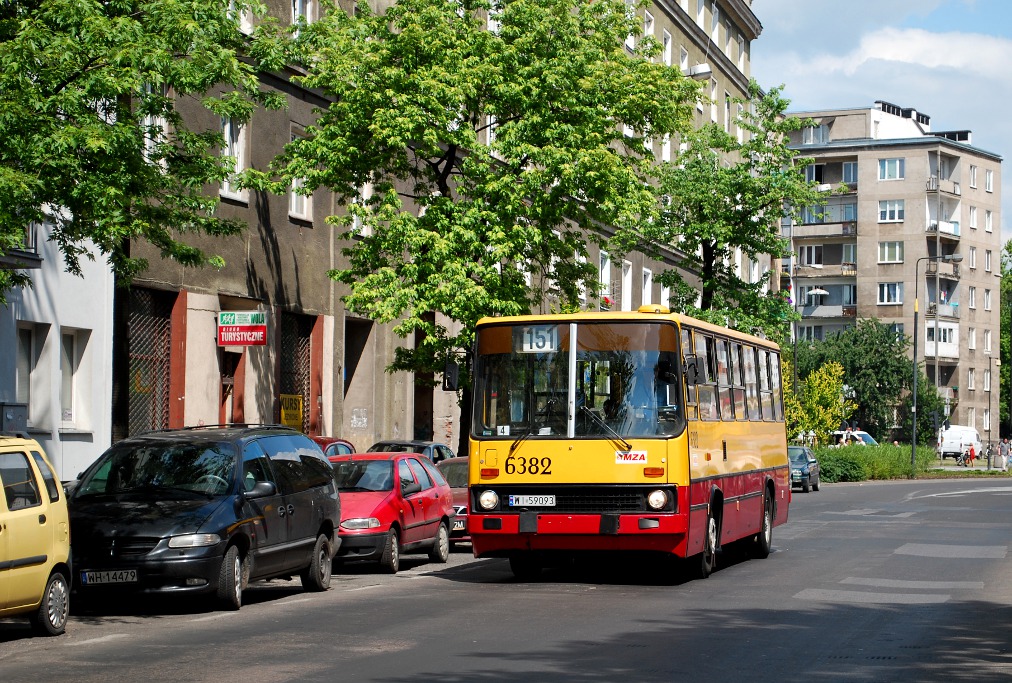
[{"x": 291, "y": 410}]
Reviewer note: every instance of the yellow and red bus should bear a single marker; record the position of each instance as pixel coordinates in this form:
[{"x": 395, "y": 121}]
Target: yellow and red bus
[{"x": 624, "y": 431}]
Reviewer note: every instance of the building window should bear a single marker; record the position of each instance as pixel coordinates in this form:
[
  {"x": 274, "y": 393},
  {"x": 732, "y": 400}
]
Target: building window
[
  {"x": 648, "y": 24},
  {"x": 987, "y": 299},
  {"x": 741, "y": 53},
  {"x": 890, "y": 252},
  {"x": 25, "y": 366},
  {"x": 715, "y": 23},
  {"x": 727, "y": 112},
  {"x": 987, "y": 260},
  {"x": 989, "y": 181},
  {"x": 244, "y": 18},
  {"x": 627, "y": 281},
  {"x": 850, "y": 295},
  {"x": 890, "y": 292},
  {"x": 973, "y": 176},
  {"x": 302, "y": 9},
  {"x": 848, "y": 212},
  {"x": 970, "y": 379},
  {"x": 890, "y": 169},
  {"x": 700, "y": 12},
  {"x": 850, "y": 172},
  {"x": 815, "y": 135},
  {"x": 235, "y": 147},
  {"x": 666, "y": 46},
  {"x": 683, "y": 60},
  {"x": 630, "y": 40},
  {"x": 988, "y": 221},
  {"x": 604, "y": 277},
  {"x": 665, "y": 295},
  {"x": 890, "y": 211},
  {"x": 971, "y": 339},
  {"x": 300, "y": 205},
  {"x": 987, "y": 411},
  {"x": 972, "y": 260},
  {"x": 156, "y": 128},
  {"x": 713, "y": 100},
  {"x": 738, "y": 124},
  {"x": 810, "y": 255},
  {"x": 810, "y": 332},
  {"x": 973, "y": 217},
  {"x": 814, "y": 173},
  {"x": 896, "y": 329},
  {"x": 358, "y": 224},
  {"x": 972, "y": 292},
  {"x": 850, "y": 252},
  {"x": 68, "y": 375},
  {"x": 971, "y": 416},
  {"x": 987, "y": 341},
  {"x": 648, "y": 287}
]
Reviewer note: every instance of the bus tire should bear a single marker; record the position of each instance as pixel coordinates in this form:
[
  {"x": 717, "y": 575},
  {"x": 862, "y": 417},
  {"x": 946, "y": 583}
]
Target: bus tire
[
  {"x": 708, "y": 558},
  {"x": 525, "y": 566},
  {"x": 763, "y": 542}
]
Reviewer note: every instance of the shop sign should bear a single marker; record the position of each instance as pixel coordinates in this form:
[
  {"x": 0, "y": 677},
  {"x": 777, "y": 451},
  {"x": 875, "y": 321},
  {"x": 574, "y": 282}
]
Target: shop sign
[{"x": 242, "y": 328}]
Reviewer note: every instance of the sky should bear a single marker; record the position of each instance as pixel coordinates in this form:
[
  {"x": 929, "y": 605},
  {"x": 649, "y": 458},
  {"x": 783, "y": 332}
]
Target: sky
[{"x": 949, "y": 59}]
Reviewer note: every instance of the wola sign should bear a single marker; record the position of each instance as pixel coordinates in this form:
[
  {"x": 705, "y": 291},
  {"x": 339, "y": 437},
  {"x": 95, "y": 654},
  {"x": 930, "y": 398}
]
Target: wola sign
[{"x": 242, "y": 328}]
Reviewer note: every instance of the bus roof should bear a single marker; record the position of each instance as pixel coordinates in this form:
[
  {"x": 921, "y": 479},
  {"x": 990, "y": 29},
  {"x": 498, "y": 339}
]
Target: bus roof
[{"x": 649, "y": 312}]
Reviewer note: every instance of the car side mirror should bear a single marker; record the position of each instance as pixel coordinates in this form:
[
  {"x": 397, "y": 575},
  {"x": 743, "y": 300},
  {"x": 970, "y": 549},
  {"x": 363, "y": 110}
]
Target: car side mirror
[
  {"x": 262, "y": 489},
  {"x": 411, "y": 488},
  {"x": 451, "y": 376},
  {"x": 693, "y": 370}
]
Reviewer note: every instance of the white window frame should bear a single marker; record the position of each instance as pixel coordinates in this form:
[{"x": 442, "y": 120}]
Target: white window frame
[
  {"x": 893, "y": 168},
  {"x": 973, "y": 218},
  {"x": 235, "y": 135},
  {"x": 849, "y": 249},
  {"x": 970, "y": 377},
  {"x": 304, "y": 9},
  {"x": 988, "y": 221},
  {"x": 70, "y": 364},
  {"x": 626, "y": 286},
  {"x": 815, "y": 135},
  {"x": 156, "y": 130},
  {"x": 666, "y": 296},
  {"x": 973, "y": 176},
  {"x": 971, "y": 339},
  {"x": 647, "y": 294},
  {"x": 987, "y": 299},
  {"x": 666, "y": 46},
  {"x": 890, "y": 293},
  {"x": 299, "y": 205},
  {"x": 358, "y": 226},
  {"x": 700, "y": 13},
  {"x": 683, "y": 60},
  {"x": 890, "y": 251},
  {"x": 987, "y": 260},
  {"x": 713, "y": 100},
  {"x": 604, "y": 277},
  {"x": 715, "y": 23},
  {"x": 666, "y": 149},
  {"x": 972, "y": 295},
  {"x": 850, "y": 169},
  {"x": 630, "y": 40},
  {"x": 648, "y": 24},
  {"x": 989, "y": 180},
  {"x": 987, "y": 341},
  {"x": 971, "y": 260},
  {"x": 24, "y": 364},
  {"x": 891, "y": 210}
]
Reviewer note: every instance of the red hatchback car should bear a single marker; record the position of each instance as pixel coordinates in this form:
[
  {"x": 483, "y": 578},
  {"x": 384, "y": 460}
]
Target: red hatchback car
[{"x": 392, "y": 503}]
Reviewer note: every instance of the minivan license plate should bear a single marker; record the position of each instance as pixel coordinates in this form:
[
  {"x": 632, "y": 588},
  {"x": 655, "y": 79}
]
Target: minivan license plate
[
  {"x": 534, "y": 501},
  {"x": 120, "y": 576}
]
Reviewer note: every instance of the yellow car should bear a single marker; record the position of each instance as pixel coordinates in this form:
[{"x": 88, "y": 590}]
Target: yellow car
[{"x": 34, "y": 537}]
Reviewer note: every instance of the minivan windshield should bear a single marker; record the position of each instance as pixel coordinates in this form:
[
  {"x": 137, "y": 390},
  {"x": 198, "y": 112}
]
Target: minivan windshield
[{"x": 162, "y": 470}]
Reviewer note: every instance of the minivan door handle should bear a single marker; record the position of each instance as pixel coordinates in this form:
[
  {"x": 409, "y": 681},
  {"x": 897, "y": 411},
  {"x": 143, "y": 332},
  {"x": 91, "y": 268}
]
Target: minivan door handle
[
  {"x": 291, "y": 510},
  {"x": 281, "y": 511},
  {"x": 42, "y": 519}
]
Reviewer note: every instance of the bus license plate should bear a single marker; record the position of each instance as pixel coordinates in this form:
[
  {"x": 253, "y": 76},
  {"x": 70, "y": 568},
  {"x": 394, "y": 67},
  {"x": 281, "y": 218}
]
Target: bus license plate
[
  {"x": 121, "y": 576},
  {"x": 533, "y": 501}
]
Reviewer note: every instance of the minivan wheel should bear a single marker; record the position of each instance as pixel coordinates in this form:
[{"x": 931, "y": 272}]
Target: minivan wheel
[
  {"x": 51, "y": 617},
  {"x": 390, "y": 560},
  {"x": 316, "y": 577},
  {"x": 230, "y": 580},
  {"x": 441, "y": 548}
]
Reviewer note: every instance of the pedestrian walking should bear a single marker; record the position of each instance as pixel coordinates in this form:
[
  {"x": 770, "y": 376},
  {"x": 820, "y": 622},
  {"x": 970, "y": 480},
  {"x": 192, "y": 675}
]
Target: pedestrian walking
[
  {"x": 1003, "y": 454},
  {"x": 971, "y": 455}
]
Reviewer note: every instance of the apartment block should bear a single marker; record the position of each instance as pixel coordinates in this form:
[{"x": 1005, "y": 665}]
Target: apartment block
[{"x": 913, "y": 217}]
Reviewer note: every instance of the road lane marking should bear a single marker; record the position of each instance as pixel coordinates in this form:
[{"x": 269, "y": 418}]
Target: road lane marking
[
  {"x": 870, "y": 513},
  {"x": 103, "y": 639},
  {"x": 914, "y": 585},
  {"x": 210, "y": 617},
  {"x": 975, "y": 552},
  {"x": 1001, "y": 490},
  {"x": 860, "y": 597}
]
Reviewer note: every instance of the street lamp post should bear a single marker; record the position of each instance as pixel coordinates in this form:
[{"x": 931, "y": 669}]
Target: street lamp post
[{"x": 947, "y": 258}]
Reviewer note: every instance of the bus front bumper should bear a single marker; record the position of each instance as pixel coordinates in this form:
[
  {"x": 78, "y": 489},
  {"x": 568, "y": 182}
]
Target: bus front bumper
[{"x": 498, "y": 534}]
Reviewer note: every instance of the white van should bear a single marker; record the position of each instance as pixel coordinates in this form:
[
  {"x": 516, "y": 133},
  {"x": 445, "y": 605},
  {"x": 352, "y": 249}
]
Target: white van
[{"x": 957, "y": 438}]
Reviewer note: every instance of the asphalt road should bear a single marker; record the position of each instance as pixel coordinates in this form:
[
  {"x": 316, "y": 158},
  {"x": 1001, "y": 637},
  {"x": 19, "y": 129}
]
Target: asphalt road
[{"x": 892, "y": 581}]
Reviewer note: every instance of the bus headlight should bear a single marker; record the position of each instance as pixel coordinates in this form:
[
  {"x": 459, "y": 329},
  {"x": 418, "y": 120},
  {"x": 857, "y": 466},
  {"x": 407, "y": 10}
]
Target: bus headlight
[
  {"x": 657, "y": 499},
  {"x": 488, "y": 500}
]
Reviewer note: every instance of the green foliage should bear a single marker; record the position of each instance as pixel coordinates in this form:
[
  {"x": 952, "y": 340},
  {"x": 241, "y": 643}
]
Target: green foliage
[
  {"x": 456, "y": 222},
  {"x": 92, "y": 138},
  {"x": 726, "y": 197},
  {"x": 930, "y": 411},
  {"x": 861, "y": 463},
  {"x": 876, "y": 369}
]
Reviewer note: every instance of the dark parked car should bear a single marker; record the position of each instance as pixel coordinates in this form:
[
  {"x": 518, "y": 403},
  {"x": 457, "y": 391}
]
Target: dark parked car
[
  {"x": 204, "y": 511},
  {"x": 333, "y": 445},
  {"x": 392, "y": 503},
  {"x": 455, "y": 472},
  {"x": 804, "y": 468},
  {"x": 433, "y": 450}
]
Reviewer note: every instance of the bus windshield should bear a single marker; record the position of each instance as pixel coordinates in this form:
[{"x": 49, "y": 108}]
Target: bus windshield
[{"x": 624, "y": 380}]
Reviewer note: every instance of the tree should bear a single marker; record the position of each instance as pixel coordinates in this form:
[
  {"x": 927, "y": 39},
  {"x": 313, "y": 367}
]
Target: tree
[
  {"x": 820, "y": 404},
  {"x": 474, "y": 159},
  {"x": 876, "y": 368},
  {"x": 728, "y": 196},
  {"x": 930, "y": 411},
  {"x": 92, "y": 137}
]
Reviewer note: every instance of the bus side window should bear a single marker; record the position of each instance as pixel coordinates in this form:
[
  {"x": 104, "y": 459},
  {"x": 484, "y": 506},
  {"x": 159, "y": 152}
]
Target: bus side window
[
  {"x": 764, "y": 384},
  {"x": 691, "y": 412},
  {"x": 775, "y": 386},
  {"x": 707, "y": 390},
  {"x": 751, "y": 383}
]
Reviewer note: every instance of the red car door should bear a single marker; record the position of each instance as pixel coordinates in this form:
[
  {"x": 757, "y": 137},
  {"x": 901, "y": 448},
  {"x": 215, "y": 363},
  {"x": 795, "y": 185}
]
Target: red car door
[
  {"x": 429, "y": 498},
  {"x": 412, "y": 505}
]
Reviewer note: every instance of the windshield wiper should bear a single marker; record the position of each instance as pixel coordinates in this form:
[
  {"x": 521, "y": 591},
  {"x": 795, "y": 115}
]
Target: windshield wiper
[
  {"x": 523, "y": 437},
  {"x": 608, "y": 428}
]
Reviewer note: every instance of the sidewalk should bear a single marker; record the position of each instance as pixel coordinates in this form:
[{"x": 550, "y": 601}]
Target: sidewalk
[{"x": 979, "y": 466}]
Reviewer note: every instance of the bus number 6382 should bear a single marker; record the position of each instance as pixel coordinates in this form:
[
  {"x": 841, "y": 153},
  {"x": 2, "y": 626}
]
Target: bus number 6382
[{"x": 522, "y": 465}]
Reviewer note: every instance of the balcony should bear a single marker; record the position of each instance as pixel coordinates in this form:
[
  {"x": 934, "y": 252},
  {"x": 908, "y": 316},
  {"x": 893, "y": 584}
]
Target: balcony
[
  {"x": 946, "y": 186},
  {"x": 947, "y": 351},
  {"x": 944, "y": 310},
  {"x": 945, "y": 228},
  {"x": 24, "y": 258},
  {"x": 827, "y": 270},
  {"x": 823, "y": 311},
  {"x": 837, "y": 229},
  {"x": 946, "y": 270},
  {"x": 850, "y": 311}
]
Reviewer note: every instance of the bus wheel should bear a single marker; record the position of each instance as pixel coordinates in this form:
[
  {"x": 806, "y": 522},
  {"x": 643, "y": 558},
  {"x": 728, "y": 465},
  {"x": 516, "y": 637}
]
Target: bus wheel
[
  {"x": 525, "y": 566},
  {"x": 708, "y": 557},
  {"x": 763, "y": 542}
]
